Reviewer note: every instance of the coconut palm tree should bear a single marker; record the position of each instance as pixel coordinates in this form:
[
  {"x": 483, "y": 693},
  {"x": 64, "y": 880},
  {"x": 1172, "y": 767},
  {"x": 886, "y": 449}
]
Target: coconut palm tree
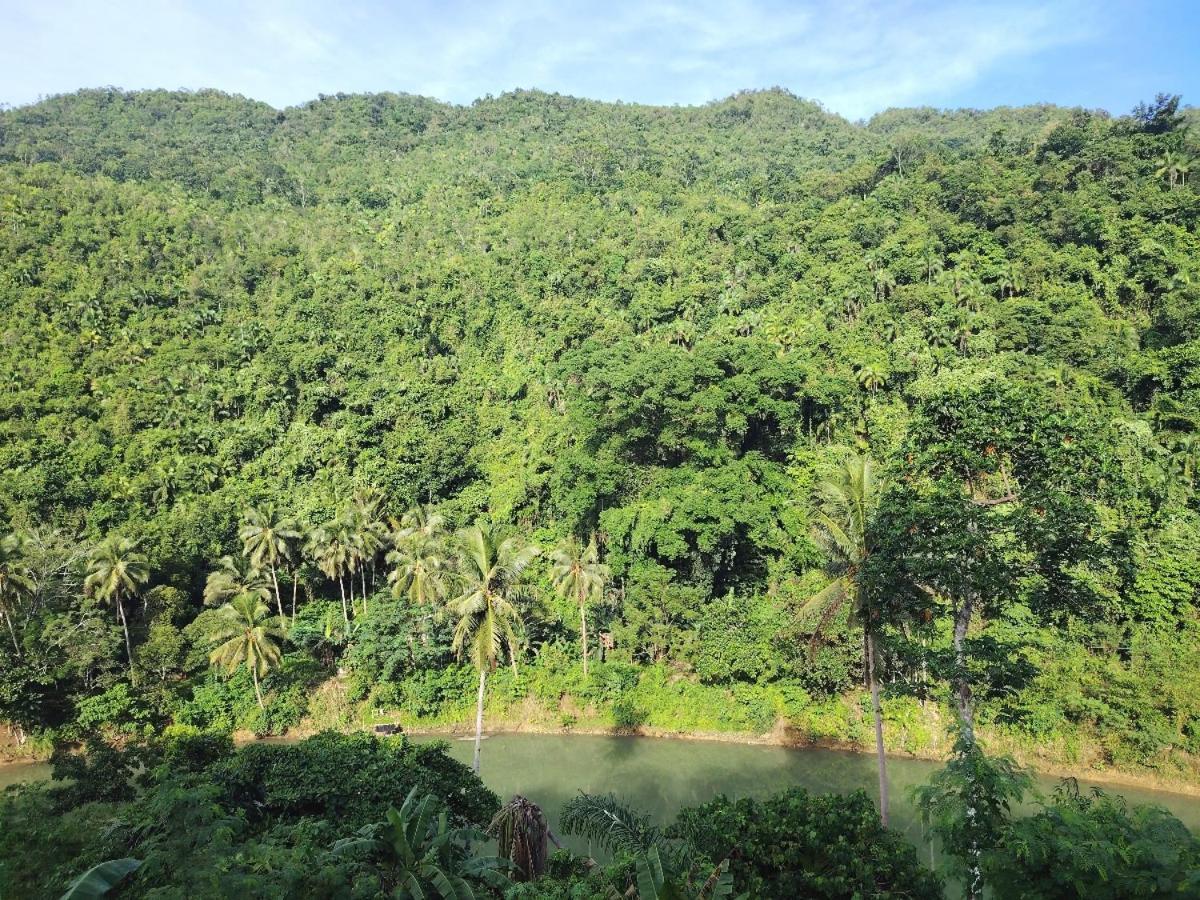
[
  {"x": 367, "y": 534},
  {"x": 235, "y": 575},
  {"x": 490, "y": 571},
  {"x": 16, "y": 582},
  {"x": 419, "y": 570},
  {"x": 579, "y": 575},
  {"x": 871, "y": 376},
  {"x": 421, "y": 519},
  {"x": 247, "y": 633},
  {"x": 116, "y": 571},
  {"x": 1175, "y": 167},
  {"x": 843, "y": 525},
  {"x": 327, "y": 549},
  {"x": 269, "y": 540}
]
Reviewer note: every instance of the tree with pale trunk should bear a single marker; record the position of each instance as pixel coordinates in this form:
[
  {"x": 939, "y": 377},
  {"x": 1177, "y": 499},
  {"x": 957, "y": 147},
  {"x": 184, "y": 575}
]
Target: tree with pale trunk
[
  {"x": 247, "y": 634},
  {"x": 579, "y": 575},
  {"x": 489, "y": 575},
  {"x": 269, "y": 541},
  {"x": 116, "y": 572}
]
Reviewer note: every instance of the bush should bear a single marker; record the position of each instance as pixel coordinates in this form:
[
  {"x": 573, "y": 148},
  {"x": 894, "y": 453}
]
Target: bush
[
  {"x": 350, "y": 779},
  {"x": 1095, "y": 847},
  {"x": 797, "y": 844},
  {"x": 116, "y": 709}
]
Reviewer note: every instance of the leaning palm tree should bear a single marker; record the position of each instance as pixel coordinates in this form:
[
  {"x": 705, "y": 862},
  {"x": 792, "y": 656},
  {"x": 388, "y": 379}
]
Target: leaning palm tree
[
  {"x": 843, "y": 525},
  {"x": 16, "y": 582},
  {"x": 116, "y": 571},
  {"x": 247, "y": 633},
  {"x": 268, "y": 540},
  {"x": 490, "y": 571},
  {"x": 235, "y": 575},
  {"x": 578, "y": 574}
]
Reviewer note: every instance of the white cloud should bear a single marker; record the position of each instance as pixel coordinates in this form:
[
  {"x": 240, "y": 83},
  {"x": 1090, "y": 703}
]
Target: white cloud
[{"x": 857, "y": 57}]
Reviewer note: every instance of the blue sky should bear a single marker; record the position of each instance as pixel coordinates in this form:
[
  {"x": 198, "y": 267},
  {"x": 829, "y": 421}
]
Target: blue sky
[{"x": 856, "y": 57}]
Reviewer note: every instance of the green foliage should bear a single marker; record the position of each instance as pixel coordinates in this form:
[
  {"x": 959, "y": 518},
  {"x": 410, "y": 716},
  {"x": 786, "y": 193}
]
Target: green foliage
[
  {"x": 418, "y": 854},
  {"x": 967, "y": 805},
  {"x": 262, "y": 352},
  {"x": 795, "y": 844},
  {"x": 1095, "y": 847},
  {"x": 293, "y": 780},
  {"x": 261, "y": 821},
  {"x": 100, "y": 879}
]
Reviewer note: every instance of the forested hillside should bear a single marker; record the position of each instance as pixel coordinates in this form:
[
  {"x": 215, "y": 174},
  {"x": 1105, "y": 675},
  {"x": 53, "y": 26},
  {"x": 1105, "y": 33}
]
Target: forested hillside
[{"x": 658, "y": 329}]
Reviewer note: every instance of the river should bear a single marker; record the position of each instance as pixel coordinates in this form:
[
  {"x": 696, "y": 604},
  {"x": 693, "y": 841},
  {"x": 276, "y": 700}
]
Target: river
[{"x": 659, "y": 776}]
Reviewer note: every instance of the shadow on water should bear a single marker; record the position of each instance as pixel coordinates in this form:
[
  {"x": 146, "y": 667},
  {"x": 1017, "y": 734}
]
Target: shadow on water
[{"x": 661, "y": 776}]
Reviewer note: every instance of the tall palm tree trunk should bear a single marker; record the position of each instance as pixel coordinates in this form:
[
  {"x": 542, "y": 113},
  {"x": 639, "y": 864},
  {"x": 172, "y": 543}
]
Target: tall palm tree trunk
[
  {"x": 877, "y": 710},
  {"x": 479, "y": 719},
  {"x": 342, "y": 591},
  {"x": 363, "y": 576},
  {"x": 583, "y": 638},
  {"x": 295, "y": 584},
  {"x": 278, "y": 598},
  {"x": 257, "y": 689},
  {"x": 11, "y": 632},
  {"x": 128, "y": 643},
  {"x": 962, "y": 686}
]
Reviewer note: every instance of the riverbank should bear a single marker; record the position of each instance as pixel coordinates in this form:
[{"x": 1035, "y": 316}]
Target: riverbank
[
  {"x": 786, "y": 738},
  {"x": 782, "y": 736},
  {"x": 913, "y": 731}
]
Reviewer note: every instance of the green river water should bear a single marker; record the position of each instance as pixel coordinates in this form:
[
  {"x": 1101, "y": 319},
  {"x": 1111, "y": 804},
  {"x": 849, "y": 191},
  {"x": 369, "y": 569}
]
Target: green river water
[{"x": 660, "y": 776}]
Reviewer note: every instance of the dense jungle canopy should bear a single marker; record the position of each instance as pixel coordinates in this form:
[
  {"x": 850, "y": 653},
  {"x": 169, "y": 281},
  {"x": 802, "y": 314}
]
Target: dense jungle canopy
[{"x": 664, "y": 327}]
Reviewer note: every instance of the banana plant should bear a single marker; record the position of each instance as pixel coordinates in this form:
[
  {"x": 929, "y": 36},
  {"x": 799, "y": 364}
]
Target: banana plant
[
  {"x": 100, "y": 879},
  {"x": 418, "y": 854},
  {"x": 656, "y": 882}
]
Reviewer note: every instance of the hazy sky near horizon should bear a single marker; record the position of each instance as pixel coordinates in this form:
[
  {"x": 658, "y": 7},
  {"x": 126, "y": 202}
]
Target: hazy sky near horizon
[{"x": 856, "y": 57}]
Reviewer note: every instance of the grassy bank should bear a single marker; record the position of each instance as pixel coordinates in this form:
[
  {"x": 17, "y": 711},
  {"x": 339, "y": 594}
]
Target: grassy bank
[{"x": 652, "y": 702}]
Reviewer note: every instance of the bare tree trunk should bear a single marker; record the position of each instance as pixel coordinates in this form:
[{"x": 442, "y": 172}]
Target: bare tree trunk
[
  {"x": 278, "y": 598},
  {"x": 342, "y": 591},
  {"x": 876, "y": 708},
  {"x": 295, "y": 584},
  {"x": 512, "y": 656},
  {"x": 583, "y": 639},
  {"x": 479, "y": 720},
  {"x": 128, "y": 643},
  {"x": 363, "y": 576},
  {"x": 257, "y": 689},
  {"x": 12, "y": 633},
  {"x": 962, "y": 685}
]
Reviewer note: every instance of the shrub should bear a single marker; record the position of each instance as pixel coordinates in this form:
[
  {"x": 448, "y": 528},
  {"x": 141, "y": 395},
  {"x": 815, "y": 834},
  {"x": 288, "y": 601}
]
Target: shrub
[
  {"x": 351, "y": 779},
  {"x": 1095, "y": 847},
  {"x": 797, "y": 844}
]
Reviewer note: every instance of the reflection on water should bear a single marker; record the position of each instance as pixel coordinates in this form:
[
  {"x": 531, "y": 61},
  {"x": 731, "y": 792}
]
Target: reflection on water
[
  {"x": 661, "y": 776},
  {"x": 20, "y": 772}
]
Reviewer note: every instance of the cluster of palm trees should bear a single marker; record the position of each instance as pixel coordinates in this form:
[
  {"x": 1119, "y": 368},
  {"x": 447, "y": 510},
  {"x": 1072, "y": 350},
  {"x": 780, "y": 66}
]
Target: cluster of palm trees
[{"x": 476, "y": 576}]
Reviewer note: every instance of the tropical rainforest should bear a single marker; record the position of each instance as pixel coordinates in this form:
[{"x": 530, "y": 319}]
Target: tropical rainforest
[{"x": 550, "y": 413}]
